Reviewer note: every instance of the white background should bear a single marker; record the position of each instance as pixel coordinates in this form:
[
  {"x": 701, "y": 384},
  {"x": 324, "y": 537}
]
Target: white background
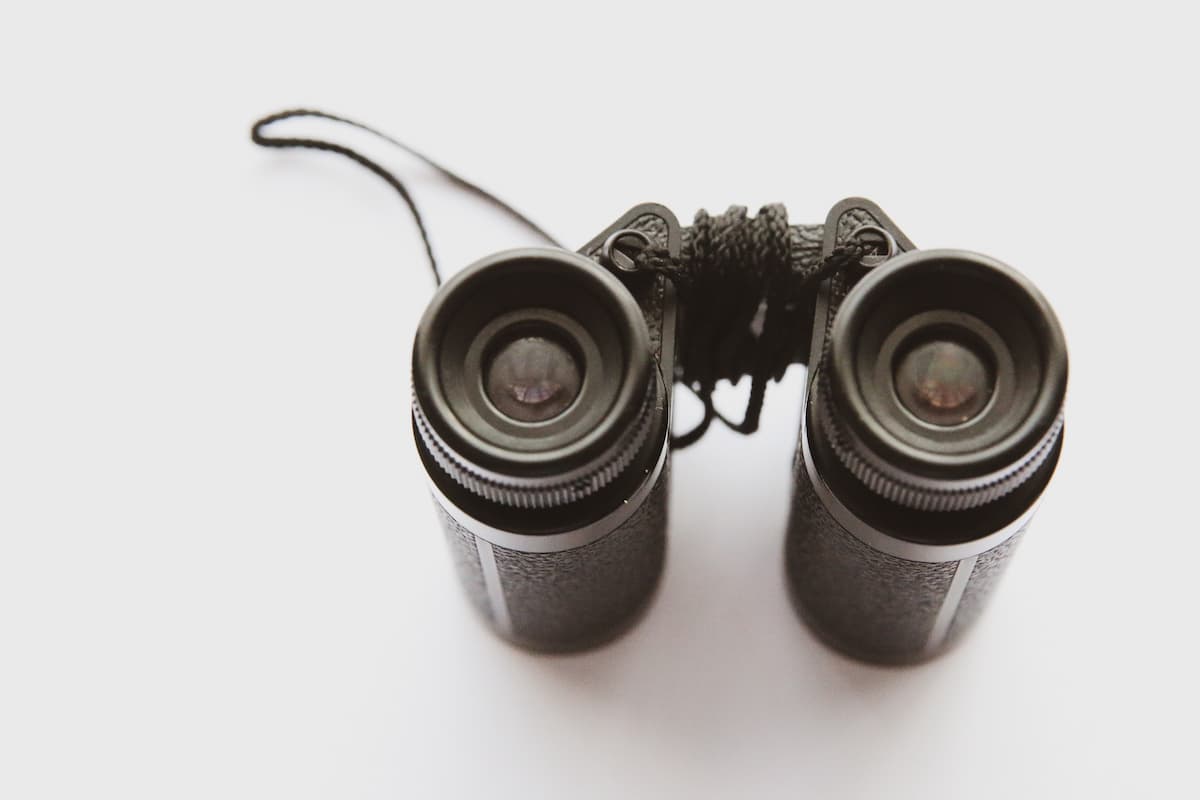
[{"x": 220, "y": 575}]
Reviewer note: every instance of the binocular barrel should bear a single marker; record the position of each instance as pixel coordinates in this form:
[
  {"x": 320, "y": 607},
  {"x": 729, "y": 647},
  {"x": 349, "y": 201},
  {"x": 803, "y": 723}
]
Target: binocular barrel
[
  {"x": 932, "y": 423},
  {"x": 541, "y": 394}
]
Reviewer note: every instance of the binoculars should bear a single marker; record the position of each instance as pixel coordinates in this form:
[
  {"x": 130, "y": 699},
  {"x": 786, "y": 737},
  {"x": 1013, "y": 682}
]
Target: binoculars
[{"x": 932, "y": 422}]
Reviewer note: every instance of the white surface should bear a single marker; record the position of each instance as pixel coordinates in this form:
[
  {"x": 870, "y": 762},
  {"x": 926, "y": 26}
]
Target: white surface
[{"x": 220, "y": 575}]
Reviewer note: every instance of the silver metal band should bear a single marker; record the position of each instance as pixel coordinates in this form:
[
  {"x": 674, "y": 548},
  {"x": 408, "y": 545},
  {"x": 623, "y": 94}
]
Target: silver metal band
[
  {"x": 950, "y": 603},
  {"x": 566, "y": 488},
  {"x": 565, "y": 540},
  {"x": 493, "y": 586}
]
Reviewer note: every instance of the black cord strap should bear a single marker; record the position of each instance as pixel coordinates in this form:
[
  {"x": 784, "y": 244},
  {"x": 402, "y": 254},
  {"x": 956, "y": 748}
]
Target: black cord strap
[
  {"x": 743, "y": 298},
  {"x": 258, "y": 136}
]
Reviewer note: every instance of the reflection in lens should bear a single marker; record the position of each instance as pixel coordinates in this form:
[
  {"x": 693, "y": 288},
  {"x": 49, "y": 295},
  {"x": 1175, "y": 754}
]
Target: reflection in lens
[
  {"x": 532, "y": 379},
  {"x": 943, "y": 383}
]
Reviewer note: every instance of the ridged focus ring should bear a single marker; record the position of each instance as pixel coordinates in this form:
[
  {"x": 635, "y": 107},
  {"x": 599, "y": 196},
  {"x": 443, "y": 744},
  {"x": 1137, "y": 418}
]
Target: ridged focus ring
[
  {"x": 551, "y": 491},
  {"x": 913, "y": 491},
  {"x": 504, "y": 334},
  {"x": 942, "y": 382}
]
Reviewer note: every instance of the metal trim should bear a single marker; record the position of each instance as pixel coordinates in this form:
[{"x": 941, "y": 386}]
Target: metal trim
[
  {"x": 900, "y": 548},
  {"x": 950, "y": 603},
  {"x": 493, "y": 585},
  {"x": 565, "y": 540}
]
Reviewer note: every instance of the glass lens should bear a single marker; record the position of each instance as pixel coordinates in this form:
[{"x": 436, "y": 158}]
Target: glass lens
[
  {"x": 943, "y": 382},
  {"x": 532, "y": 379}
]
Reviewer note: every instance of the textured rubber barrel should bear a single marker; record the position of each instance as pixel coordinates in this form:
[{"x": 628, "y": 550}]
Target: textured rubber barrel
[
  {"x": 534, "y": 590},
  {"x": 571, "y": 599},
  {"x": 873, "y": 605}
]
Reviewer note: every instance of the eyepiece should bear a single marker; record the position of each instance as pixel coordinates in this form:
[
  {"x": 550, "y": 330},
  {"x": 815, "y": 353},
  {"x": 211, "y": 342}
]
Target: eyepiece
[
  {"x": 533, "y": 379},
  {"x": 944, "y": 381}
]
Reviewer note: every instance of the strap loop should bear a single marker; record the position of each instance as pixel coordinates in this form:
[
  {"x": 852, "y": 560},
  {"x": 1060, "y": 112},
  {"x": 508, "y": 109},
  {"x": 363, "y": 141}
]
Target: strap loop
[{"x": 260, "y": 138}]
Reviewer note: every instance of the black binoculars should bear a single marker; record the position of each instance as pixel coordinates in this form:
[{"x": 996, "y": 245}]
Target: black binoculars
[{"x": 932, "y": 422}]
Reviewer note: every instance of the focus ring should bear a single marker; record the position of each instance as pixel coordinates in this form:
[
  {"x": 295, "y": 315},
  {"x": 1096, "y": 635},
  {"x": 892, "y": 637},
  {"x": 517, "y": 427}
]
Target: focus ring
[
  {"x": 541, "y": 492},
  {"x": 925, "y": 494}
]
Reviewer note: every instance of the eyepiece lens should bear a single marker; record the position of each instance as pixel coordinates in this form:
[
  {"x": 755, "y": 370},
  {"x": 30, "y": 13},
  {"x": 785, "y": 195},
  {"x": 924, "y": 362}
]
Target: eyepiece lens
[
  {"x": 943, "y": 382},
  {"x": 532, "y": 379}
]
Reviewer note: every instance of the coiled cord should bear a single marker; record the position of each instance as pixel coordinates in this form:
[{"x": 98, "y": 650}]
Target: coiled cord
[{"x": 744, "y": 297}]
